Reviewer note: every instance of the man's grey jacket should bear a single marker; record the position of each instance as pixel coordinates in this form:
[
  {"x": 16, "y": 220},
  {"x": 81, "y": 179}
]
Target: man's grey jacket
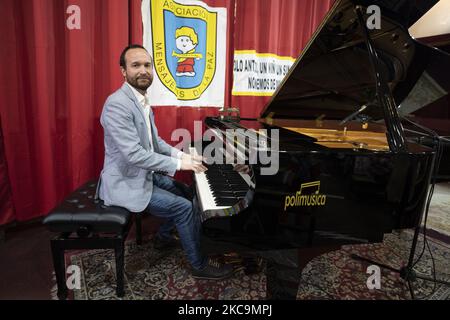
[{"x": 130, "y": 158}]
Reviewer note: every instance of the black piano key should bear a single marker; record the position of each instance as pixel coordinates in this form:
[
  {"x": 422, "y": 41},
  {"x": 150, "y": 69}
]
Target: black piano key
[
  {"x": 241, "y": 193},
  {"x": 226, "y": 202},
  {"x": 220, "y": 183},
  {"x": 227, "y": 198},
  {"x": 220, "y": 186},
  {"x": 227, "y": 185},
  {"x": 219, "y": 193},
  {"x": 239, "y": 179}
]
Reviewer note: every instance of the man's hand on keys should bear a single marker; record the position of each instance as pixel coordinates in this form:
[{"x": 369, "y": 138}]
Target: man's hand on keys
[
  {"x": 242, "y": 168},
  {"x": 192, "y": 163}
]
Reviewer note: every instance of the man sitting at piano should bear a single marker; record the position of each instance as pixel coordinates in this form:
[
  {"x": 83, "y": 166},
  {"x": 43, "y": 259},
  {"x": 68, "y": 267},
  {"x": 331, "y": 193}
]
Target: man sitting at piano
[{"x": 138, "y": 162}]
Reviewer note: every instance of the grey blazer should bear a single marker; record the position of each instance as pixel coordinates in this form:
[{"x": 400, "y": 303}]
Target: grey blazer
[{"x": 130, "y": 159}]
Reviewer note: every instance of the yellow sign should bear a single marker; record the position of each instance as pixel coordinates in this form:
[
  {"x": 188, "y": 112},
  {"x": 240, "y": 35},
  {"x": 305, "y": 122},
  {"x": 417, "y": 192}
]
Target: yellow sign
[
  {"x": 300, "y": 199},
  {"x": 258, "y": 74}
]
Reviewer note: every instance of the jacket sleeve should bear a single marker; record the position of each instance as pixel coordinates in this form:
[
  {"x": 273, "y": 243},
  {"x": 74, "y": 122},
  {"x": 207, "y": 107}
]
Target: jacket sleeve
[{"x": 118, "y": 124}]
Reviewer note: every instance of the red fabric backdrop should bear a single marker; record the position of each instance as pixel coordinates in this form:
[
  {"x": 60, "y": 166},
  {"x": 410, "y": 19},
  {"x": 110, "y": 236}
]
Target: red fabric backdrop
[
  {"x": 54, "y": 81},
  {"x": 6, "y": 206},
  {"x": 53, "y": 84}
]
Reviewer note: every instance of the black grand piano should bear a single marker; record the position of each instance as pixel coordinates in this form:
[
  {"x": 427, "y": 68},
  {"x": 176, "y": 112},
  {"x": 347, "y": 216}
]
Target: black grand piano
[{"x": 348, "y": 171}]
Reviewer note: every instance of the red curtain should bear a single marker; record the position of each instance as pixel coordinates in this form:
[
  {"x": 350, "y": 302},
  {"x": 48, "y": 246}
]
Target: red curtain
[
  {"x": 6, "y": 206},
  {"x": 54, "y": 81},
  {"x": 53, "y": 84}
]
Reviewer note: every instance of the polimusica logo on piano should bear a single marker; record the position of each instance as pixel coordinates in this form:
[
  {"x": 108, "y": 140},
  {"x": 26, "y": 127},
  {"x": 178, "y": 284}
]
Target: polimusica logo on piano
[{"x": 300, "y": 199}]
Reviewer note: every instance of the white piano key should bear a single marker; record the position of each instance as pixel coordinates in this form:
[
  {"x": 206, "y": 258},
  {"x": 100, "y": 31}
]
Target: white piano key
[{"x": 205, "y": 194}]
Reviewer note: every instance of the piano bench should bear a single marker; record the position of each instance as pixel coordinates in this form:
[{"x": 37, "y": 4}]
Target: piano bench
[{"x": 85, "y": 223}]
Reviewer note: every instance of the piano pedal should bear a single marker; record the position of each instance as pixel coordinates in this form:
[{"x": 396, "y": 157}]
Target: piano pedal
[
  {"x": 249, "y": 264},
  {"x": 232, "y": 258}
]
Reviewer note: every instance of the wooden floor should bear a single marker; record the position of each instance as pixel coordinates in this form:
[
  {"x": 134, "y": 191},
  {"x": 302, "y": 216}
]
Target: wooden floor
[{"x": 26, "y": 265}]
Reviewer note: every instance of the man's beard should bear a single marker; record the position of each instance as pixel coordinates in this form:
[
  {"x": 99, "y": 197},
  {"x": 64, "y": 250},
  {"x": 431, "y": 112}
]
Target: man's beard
[{"x": 140, "y": 84}]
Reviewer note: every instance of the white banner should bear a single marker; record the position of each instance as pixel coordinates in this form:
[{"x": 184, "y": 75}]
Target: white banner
[
  {"x": 187, "y": 40},
  {"x": 258, "y": 74}
]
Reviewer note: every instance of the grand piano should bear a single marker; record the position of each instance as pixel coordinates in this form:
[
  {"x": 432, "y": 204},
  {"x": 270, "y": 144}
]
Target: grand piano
[{"x": 348, "y": 170}]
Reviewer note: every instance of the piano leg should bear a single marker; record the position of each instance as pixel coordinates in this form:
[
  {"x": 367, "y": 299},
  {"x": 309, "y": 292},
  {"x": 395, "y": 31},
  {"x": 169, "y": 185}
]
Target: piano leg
[
  {"x": 282, "y": 274},
  {"x": 284, "y": 268}
]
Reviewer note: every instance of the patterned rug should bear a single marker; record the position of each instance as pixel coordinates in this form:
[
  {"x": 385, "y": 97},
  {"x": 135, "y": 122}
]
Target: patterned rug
[
  {"x": 439, "y": 216},
  {"x": 335, "y": 275},
  {"x": 150, "y": 275}
]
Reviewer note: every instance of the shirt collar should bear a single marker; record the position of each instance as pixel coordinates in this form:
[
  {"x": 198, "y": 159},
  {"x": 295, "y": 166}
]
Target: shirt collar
[{"x": 139, "y": 96}]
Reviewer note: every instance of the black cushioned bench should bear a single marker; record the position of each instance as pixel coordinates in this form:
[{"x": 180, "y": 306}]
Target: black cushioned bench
[{"x": 82, "y": 222}]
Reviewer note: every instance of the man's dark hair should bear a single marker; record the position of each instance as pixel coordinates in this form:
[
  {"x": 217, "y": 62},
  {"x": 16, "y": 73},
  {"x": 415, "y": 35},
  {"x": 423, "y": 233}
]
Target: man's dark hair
[{"x": 122, "y": 55}]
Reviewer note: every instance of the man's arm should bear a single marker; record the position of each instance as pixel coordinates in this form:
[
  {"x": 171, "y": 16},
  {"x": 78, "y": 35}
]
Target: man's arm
[
  {"x": 118, "y": 123},
  {"x": 184, "y": 159}
]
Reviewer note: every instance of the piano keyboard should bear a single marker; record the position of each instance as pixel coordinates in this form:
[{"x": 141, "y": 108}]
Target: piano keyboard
[{"x": 221, "y": 187}]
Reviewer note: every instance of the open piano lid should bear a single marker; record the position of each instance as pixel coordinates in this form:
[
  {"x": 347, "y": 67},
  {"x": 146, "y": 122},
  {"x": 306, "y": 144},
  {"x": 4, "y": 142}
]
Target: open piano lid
[{"x": 333, "y": 76}]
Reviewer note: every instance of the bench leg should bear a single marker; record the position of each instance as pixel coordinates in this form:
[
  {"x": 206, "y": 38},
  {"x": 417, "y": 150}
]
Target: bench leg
[
  {"x": 120, "y": 262},
  {"x": 60, "y": 268},
  {"x": 138, "y": 221}
]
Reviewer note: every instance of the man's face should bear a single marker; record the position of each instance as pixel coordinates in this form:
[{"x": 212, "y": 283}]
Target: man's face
[
  {"x": 184, "y": 44},
  {"x": 138, "y": 71}
]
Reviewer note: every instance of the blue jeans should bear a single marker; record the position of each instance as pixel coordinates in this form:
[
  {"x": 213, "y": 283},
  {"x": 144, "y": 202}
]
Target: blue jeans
[{"x": 169, "y": 201}]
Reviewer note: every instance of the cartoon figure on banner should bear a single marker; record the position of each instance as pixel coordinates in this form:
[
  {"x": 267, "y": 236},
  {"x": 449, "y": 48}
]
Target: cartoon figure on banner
[{"x": 186, "y": 42}]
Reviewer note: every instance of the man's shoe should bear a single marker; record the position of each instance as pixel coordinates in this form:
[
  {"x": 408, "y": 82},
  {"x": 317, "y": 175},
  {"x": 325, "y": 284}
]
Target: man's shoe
[
  {"x": 213, "y": 271},
  {"x": 163, "y": 244}
]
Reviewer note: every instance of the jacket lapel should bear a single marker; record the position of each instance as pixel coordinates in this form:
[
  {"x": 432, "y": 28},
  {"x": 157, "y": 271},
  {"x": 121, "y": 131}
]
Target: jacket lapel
[
  {"x": 126, "y": 89},
  {"x": 154, "y": 132}
]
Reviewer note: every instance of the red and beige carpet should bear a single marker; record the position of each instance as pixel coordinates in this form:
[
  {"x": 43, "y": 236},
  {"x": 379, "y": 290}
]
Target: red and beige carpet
[{"x": 335, "y": 275}]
